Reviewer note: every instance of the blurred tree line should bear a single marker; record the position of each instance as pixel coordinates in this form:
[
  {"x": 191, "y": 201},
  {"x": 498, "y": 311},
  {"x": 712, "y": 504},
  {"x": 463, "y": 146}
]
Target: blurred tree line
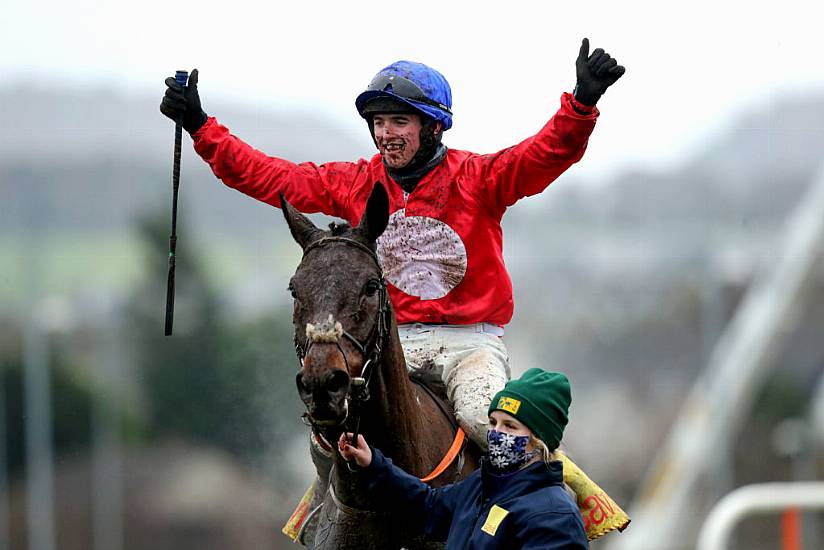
[{"x": 218, "y": 381}]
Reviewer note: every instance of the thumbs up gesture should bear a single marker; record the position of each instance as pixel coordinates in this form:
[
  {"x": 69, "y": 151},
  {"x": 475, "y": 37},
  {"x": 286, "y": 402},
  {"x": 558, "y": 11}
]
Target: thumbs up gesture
[{"x": 596, "y": 72}]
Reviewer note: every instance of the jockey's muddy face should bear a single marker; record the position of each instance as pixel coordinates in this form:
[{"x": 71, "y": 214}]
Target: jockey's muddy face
[{"x": 398, "y": 137}]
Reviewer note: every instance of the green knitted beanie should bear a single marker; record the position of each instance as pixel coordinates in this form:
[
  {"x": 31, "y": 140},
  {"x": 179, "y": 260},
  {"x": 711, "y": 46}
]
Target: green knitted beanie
[{"x": 540, "y": 399}]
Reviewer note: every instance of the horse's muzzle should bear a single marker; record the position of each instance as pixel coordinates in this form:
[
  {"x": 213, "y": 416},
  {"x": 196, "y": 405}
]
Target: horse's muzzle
[{"x": 324, "y": 395}]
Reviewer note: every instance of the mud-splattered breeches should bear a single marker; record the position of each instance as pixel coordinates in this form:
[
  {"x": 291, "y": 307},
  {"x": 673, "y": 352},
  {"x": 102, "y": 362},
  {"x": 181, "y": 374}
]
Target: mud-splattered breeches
[{"x": 473, "y": 362}]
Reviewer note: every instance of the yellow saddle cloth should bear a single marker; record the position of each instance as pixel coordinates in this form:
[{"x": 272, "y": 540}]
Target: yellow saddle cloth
[{"x": 600, "y": 513}]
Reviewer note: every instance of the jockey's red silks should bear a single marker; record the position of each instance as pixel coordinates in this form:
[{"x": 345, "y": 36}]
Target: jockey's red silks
[{"x": 442, "y": 252}]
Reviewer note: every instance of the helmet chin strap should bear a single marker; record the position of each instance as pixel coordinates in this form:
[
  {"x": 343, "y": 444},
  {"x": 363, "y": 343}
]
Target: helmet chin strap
[{"x": 429, "y": 144}]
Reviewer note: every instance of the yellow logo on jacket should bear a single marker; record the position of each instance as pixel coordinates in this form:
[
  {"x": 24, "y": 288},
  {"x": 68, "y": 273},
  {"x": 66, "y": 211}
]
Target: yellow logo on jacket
[
  {"x": 494, "y": 519},
  {"x": 509, "y": 404}
]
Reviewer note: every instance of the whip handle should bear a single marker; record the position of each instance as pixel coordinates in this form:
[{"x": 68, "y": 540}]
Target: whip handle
[{"x": 181, "y": 77}]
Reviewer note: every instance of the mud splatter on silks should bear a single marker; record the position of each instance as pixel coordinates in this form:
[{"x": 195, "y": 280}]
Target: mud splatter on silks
[{"x": 421, "y": 256}]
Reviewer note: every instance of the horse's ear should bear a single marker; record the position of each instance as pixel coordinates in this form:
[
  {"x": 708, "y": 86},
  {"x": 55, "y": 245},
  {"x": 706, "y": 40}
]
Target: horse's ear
[
  {"x": 374, "y": 220},
  {"x": 302, "y": 228}
]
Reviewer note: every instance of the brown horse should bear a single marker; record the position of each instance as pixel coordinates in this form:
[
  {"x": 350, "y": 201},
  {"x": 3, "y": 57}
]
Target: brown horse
[{"x": 353, "y": 376}]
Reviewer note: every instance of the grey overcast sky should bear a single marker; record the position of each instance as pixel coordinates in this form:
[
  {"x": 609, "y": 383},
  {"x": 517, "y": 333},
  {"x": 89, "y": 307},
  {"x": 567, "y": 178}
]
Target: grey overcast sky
[{"x": 691, "y": 66}]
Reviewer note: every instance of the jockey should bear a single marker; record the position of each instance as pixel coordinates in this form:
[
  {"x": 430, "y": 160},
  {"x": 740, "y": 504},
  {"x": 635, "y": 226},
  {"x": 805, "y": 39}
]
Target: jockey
[{"x": 442, "y": 251}]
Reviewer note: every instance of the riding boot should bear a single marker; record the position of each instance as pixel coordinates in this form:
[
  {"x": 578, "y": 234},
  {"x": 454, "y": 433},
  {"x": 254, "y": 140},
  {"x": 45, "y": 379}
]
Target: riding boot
[{"x": 470, "y": 386}]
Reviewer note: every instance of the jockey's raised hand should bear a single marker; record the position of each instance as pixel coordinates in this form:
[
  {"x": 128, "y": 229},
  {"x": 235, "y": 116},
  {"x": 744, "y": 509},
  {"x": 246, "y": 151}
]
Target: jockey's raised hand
[
  {"x": 595, "y": 73},
  {"x": 184, "y": 102},
  {"x": 362, "y": 454}
]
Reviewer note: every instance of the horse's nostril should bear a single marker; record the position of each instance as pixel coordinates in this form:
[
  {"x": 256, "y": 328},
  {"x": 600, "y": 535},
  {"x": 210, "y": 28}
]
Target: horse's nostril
[
  {"x": 338, "y": 381},
  {"x": 302, "y": 389}
]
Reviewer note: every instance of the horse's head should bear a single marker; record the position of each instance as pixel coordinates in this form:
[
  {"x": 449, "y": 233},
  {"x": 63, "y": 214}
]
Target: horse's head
[{"x": 341, "y": 306}]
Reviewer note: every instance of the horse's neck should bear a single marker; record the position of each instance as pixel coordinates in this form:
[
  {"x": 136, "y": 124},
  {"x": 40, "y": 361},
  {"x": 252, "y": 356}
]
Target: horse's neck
[{"x": 391, "y": 417}]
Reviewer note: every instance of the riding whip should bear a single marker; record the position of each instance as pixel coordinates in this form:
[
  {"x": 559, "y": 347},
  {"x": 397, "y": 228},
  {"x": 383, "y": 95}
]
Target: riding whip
[{"x": 181, "y": 77}]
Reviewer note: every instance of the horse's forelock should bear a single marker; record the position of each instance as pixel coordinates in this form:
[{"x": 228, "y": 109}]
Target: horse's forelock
[
  {"x": 339, "y": 229},
  {"x": 343, "y": 229}
]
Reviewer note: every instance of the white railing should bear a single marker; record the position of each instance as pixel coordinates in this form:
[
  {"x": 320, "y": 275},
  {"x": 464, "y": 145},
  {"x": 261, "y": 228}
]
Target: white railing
[
  {"x": 723, "y": 394},
  {"x": 754, "y": 499}
]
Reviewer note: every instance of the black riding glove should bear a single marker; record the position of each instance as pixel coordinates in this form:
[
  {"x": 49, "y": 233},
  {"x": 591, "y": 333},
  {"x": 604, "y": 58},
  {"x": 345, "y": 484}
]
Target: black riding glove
[
  {"x": 183, "y": 104},
  {"x": 595, "y": 73}
]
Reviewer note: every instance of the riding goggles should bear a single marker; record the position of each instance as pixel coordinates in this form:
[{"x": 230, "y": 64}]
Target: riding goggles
[{"x": 405, "y": 88}]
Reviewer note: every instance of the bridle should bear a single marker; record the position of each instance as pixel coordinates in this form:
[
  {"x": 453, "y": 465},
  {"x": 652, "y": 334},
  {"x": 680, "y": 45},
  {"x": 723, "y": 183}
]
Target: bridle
[{"x": 370, "y": 349}]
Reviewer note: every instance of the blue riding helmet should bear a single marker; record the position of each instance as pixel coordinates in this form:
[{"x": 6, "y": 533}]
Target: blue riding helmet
[{"x": 415, "y": 84}]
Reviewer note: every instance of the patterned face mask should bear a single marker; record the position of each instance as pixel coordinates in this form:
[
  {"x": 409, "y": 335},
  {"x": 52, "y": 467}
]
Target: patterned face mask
[{"x": 507, "y": 452}]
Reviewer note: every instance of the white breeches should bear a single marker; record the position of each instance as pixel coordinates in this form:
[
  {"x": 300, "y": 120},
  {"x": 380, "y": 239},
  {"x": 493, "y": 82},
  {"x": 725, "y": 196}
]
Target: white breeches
[{"x": 473, "y": 362}]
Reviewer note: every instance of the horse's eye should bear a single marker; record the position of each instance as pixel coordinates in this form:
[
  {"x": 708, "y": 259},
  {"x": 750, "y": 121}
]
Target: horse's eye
[{"x": 372, "y": 287}]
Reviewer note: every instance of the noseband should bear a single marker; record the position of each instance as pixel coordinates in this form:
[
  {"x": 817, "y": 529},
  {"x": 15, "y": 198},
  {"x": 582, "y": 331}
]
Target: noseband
[{"x": 331, "y": 332}]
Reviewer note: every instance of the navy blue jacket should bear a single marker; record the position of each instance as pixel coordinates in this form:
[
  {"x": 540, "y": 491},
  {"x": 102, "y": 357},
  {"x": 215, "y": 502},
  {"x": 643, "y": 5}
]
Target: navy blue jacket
[{"x": 528, "y": 509}]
